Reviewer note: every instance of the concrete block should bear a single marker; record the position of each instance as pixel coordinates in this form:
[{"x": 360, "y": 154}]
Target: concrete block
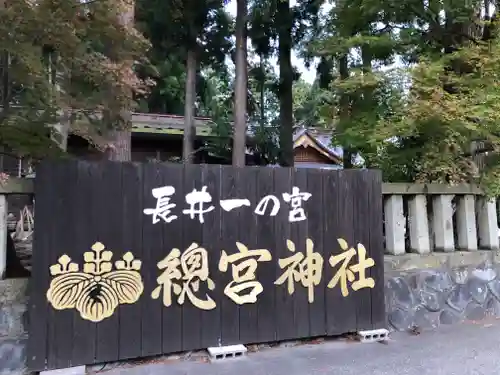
[
  {"x": 80, "y": 370},
  {"x": 373, "y": 335},
  {"x": 219, "y": 353}
]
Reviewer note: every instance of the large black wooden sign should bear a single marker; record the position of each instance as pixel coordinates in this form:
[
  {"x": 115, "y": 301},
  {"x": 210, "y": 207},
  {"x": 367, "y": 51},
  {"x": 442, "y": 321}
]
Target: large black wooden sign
[{"x": 137, "y": 260}]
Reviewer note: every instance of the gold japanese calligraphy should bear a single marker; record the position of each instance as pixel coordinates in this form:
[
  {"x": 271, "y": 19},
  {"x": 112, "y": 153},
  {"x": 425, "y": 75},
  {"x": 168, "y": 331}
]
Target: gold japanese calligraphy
[
  {"x": 243, "y": 267},
  {"x": 182, "y": 275},
  {"x": 347, "y": 273},
  {"x": 304, "y": 268},
  {"x": 96, "y": 291}
]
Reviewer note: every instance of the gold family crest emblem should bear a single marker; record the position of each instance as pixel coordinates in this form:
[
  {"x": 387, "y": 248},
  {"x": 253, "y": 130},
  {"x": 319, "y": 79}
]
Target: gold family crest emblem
[{"x": 96, "y": 291}]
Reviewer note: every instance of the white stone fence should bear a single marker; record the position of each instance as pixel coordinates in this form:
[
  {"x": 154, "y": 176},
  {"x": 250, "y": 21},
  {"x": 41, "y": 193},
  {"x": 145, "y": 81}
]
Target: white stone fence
[
  {"x": 418, "y": 218},
  {"x": 423, "y": 218},
  {"x": 11, "y": 187}
]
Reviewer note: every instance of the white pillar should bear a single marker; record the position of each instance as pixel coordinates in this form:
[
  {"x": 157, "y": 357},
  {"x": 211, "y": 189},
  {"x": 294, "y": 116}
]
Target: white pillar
[
  {"x": 419, "y": 225},
  {"x": 488, "y": 226},
  {"x": 442, "y": 222},
  {"x": 3, "y": 235},
  {"x": 395, "y": 225},
  {"x": 466, "y": 223}
]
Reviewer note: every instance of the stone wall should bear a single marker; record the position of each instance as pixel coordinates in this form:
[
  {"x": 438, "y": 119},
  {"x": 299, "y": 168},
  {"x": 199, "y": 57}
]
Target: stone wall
[
  {"x": 429, "y": 291},
  {"x": 13, "y": 321}
]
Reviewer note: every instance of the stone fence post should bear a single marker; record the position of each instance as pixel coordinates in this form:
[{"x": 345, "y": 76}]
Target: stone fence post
[{"x": 441, "y": 218}]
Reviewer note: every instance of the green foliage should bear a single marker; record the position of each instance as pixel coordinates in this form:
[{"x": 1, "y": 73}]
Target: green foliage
[
  {"x": 60, "y": 54},
  {"x": 173, "y": 27},
  {"x": 167, "y": 95},
  {"x": 312, "y": 105},
  {"x": 425, "y": 133},
  {"x": 416, "y": 123},
  {"x": 218, "y": 105},
  {"x": 443, "y": 124}
]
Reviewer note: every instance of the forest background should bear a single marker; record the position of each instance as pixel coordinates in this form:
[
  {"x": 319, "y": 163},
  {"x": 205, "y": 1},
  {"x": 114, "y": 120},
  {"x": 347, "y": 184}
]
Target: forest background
[{"x": 410, "y": 86}]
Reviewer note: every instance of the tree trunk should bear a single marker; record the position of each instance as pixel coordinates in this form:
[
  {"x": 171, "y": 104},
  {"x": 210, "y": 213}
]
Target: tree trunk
[
  {"x": 6, "y": 88},
  {"x": 325, "y": 74},
  {"x": 490, "y": 28},
  {"x": 63, "y": 129},
  {"x": 189, "y": 102},
  {"x": 120, "y": 137},
  {"x": 240, "y": 91},
  {"x": 345, "y": 107},
  {"x": 120, "y": 149},
  {"x": 262, "y": 92},
  {"x": 286, "y": 83},
  {"x": 460, "y": 31},
  {"x": 5, "y": 76},
  {"x": 366, "y": 56}
]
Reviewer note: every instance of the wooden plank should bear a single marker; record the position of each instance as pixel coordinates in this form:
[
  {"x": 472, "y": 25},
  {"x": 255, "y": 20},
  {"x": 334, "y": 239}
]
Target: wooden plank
[
  {"x": 361, "y": 225},
  {"x": 285, "y": 329},
  {"x": 299, "y": 235},
  {"x": 247, "y": 187},
  {"x": 230, "y": 316},
  {"x": 53, "y": 257},
  {"x": 376, "y": 249},
  {"x": 84, "y": 331},
  {"x": 4, "y": 232},
  {"x": 131, "y": 241},
  {"x": 211, "y": 319},
  {"x": 193, "y": 234},
  {"x": 347, "y": 319},
  {"x": 316, "y": 214},
  {"x": 108, "y": 227},
  {"x": 40, "y": 277},
  {"x": 152, "y": 253},
  {"x": 63, "y": 221},
  {"x": 340, "y": 312},
  {"x": 172, "y": 175},
  {"x": 266, "y": 315}
]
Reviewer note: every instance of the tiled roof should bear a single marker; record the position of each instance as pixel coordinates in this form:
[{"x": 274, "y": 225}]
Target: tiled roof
[{"x": 323, "y": 138}]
